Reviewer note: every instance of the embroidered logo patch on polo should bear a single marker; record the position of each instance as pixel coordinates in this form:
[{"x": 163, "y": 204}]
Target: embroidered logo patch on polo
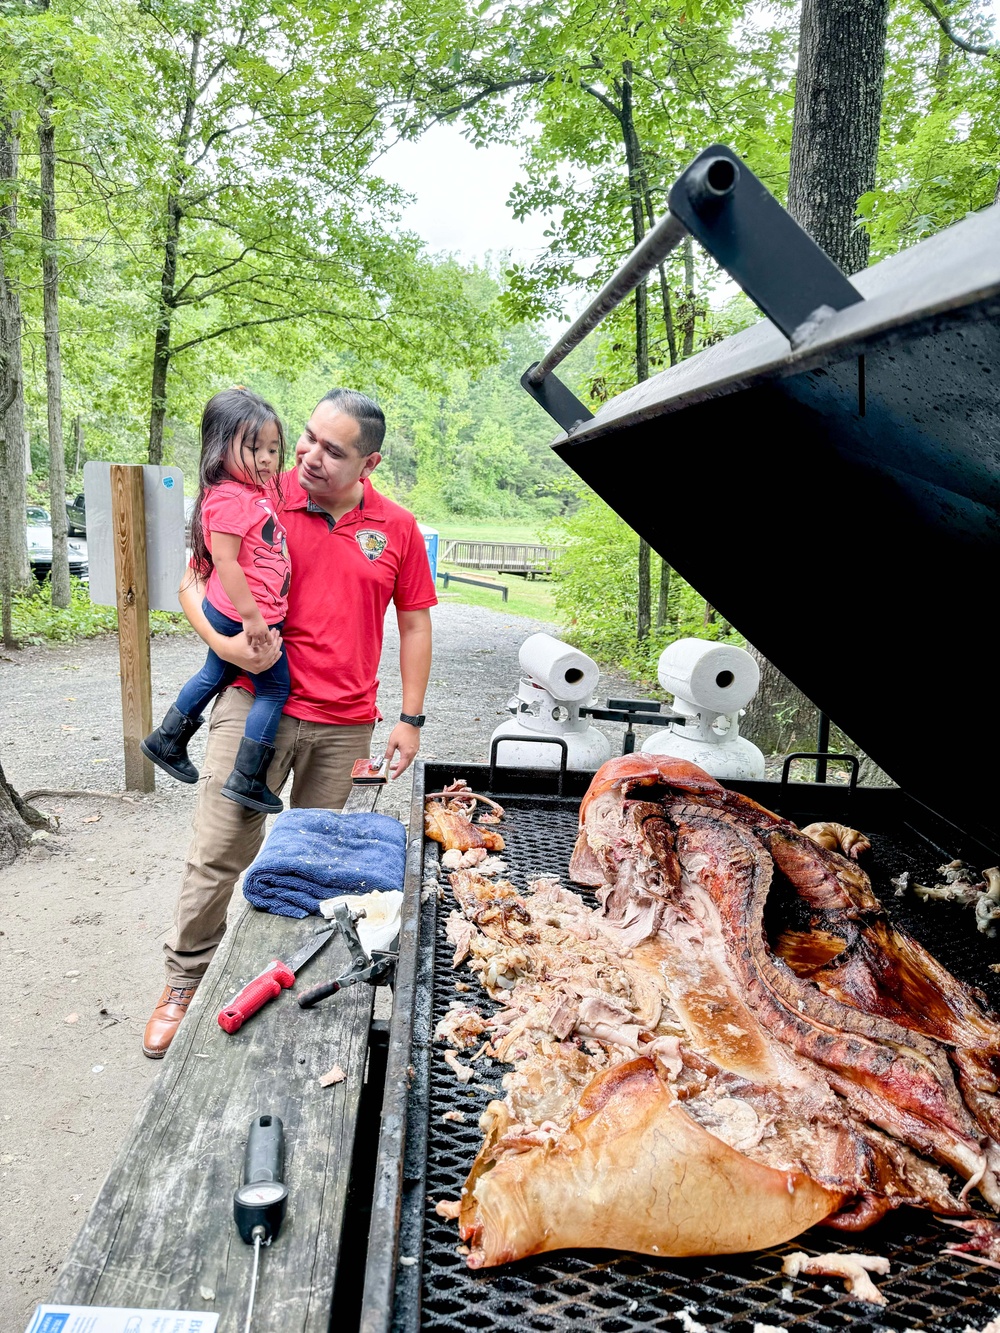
[{"x": 372, "y": 542}]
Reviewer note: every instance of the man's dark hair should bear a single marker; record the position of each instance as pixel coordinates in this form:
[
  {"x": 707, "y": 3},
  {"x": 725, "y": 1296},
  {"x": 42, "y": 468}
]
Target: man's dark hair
[{"x": 365, "y": 412}]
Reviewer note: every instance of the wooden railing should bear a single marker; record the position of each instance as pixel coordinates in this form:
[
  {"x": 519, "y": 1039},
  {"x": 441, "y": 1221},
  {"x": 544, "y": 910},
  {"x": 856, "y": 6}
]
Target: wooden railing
[{"x": 504, "y": 557}]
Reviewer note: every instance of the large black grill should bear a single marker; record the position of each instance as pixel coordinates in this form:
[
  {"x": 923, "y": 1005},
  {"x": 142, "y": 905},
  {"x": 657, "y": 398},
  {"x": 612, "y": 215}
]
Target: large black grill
[
  {"x": 894, "y": 401},
  {"x": 618, "y": 1293}
]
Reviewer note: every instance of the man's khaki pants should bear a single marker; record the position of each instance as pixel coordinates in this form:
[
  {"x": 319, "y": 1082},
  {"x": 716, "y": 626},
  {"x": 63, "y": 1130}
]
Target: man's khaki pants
[{"x": 227, "y": 836}]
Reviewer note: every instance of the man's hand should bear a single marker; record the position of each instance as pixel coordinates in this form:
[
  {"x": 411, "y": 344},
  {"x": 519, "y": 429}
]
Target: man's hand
[
  {"x": 235, "y": 650},
  {"x": 403, "y": 742},
  {"x": 241, "y": 653}
]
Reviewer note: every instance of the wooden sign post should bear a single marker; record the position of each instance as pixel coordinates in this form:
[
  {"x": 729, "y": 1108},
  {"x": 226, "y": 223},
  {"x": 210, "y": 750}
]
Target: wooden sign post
[{"x": 129, "y": 528}]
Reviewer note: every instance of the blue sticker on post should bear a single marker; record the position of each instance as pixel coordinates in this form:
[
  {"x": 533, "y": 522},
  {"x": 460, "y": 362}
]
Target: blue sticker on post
[{"x": 168, "y": 483}]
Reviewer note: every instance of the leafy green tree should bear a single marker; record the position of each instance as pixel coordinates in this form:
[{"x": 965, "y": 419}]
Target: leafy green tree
[
  {"x": 940, "y": 123},
  {"x": 621, "y": 98},
  {"x": 271, "y": 229},
  {"x": 60, "y": 81},
  {"x": 190, "y": 258},
  {"x": 47, "y": 110},
  {"x": 14, "y": 573}
]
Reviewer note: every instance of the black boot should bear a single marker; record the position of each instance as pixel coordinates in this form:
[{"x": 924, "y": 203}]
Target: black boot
[
  {"x": 246, "y": 783},
  {"x": 167, "y": 745}
]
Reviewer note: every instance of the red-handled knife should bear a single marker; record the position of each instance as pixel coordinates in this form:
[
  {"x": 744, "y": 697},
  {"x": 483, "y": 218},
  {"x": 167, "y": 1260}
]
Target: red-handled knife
[{"x": 275, "y": 978}]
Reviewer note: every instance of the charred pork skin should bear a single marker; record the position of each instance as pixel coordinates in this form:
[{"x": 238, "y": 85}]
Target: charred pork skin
[{"x": 448, "y": 820}]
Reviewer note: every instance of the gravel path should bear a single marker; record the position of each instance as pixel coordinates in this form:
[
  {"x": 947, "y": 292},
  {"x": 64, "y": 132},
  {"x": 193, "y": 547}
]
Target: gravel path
[
  {"x": 65, "y": 730},
  {"x": 86, "y": 911}
]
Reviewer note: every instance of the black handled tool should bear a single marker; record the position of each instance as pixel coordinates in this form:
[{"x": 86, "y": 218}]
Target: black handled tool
[
  {"x": 259, "y": 1203},
  {"x": 376, "y": 970}
]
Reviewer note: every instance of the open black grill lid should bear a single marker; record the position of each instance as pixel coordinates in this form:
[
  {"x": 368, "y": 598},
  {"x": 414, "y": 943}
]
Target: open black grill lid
[{"x": 839, "y": 503}]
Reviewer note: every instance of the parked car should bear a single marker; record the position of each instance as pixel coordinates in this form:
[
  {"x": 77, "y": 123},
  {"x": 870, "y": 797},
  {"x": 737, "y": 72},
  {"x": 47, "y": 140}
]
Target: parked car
[
  {"x": 189, "y": 503},
  {"x": 76, "y": 517},
  {"x": 39, "y": 525}
]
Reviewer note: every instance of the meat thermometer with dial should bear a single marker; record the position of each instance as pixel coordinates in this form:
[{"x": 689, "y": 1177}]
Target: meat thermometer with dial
[{"x": 259, "y": 1203}]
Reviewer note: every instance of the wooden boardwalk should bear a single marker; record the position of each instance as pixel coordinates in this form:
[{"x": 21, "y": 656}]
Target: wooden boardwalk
[{"x": 505, "y": 557}]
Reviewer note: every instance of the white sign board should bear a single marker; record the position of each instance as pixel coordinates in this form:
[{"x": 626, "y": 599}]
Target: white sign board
[{"x": 166, "y": 557}]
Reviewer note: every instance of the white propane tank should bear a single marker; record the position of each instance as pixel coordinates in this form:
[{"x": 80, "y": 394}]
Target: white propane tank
[
  {"x": 557, "y": 680},
  {"x": 711, "y": 684}
]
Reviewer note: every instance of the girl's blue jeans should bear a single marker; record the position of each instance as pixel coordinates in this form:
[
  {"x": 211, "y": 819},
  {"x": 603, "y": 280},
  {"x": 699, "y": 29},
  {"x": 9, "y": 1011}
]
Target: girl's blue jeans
[{"x": 271, "y": 686}]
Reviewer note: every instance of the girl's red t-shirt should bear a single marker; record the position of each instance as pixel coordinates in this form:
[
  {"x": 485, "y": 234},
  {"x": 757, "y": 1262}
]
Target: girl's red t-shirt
[{"x": 248, "y": 512}]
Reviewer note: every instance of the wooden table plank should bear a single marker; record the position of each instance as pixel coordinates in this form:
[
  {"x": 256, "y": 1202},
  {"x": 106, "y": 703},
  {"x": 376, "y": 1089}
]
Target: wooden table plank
[
  {"x": 161, "y": 1231},
  {"x": 363, "y": 797}
]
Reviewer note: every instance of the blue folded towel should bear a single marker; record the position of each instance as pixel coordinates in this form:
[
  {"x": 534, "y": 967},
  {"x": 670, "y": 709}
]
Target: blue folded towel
[{"x": 315, "y": 854}]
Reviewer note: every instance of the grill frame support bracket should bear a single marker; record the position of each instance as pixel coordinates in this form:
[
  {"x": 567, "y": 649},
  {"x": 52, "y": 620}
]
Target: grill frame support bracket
[
  {"x": 719, "y": 201},
  {"x": 758, "y": 242}
]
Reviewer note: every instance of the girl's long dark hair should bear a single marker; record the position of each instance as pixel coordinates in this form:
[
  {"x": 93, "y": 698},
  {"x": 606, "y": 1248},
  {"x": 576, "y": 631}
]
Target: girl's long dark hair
[{"x": 225, "y": 415}]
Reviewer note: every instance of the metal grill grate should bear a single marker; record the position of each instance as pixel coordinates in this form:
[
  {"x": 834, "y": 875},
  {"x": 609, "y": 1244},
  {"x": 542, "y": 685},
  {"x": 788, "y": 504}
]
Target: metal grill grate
[{"x": 623, "y": 1293}]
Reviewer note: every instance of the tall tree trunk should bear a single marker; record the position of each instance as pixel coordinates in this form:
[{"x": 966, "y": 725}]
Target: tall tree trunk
[
  {"x": 633, "y": 160},
  {"x": 663, "y": 597},
  {"x": 665, "y": 302},
  {"x": 53, "y": 362},
  {"x": 668, "y": 315},
  {"x": 835, "y": 131},
  {"x": 643, "y": 615},
  {"x": 835, "y": 135},
  {"x": 779, "y": 717},
  {"x": 689, "y": 300},
  {"x": 8, "y": 390},
  {"x": 15, "y": 572},
  {"x": 161, "y": 365},
  {"x": 17, "y": 819},
  {"x": 168, "y": 270}
]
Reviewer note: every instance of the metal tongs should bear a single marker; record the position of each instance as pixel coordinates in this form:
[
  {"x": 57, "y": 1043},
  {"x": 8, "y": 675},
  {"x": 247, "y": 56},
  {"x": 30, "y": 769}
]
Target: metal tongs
[{"x": 377, "y": 970}]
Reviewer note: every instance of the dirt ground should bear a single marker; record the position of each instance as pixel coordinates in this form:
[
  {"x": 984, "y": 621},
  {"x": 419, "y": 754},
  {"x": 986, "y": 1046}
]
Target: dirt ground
[{"x": 85, "y": 911}]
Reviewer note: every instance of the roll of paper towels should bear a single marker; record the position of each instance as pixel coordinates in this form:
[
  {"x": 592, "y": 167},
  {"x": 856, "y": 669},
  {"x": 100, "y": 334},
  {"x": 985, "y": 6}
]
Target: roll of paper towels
[
  {"x": 715, "y": 676},
  {"x": 564, "y": 671},
  {"x": 382, "y": 911}
]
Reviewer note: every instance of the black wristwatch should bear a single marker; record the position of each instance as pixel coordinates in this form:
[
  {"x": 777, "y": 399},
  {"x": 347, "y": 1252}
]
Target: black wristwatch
[{"x": 414, "y": 719}]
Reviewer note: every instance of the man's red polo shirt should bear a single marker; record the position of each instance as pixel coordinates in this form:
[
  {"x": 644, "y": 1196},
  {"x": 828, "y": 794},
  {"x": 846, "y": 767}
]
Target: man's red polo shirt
[{"x": 344, "y": 576}]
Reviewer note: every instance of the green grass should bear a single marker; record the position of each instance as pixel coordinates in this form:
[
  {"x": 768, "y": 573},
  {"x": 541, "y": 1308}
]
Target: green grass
[{"x": 525, "y": 597}]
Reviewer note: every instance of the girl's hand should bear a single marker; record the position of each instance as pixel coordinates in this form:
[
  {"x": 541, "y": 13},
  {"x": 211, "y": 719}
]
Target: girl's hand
[
  {"x": 238, "y": 652},
  {"x": 256, "y": 631}
]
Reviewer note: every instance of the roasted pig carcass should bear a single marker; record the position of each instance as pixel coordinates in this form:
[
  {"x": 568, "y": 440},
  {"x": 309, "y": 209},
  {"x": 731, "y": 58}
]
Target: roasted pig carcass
[{"x": 681, "y": 1083}]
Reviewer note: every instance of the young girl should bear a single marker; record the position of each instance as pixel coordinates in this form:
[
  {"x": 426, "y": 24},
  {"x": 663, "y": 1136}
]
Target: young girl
[{"x": 236, "y": 535}]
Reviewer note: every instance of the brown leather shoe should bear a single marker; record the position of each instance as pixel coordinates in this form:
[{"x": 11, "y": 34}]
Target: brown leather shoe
[{"x": 170, "y": 1009}]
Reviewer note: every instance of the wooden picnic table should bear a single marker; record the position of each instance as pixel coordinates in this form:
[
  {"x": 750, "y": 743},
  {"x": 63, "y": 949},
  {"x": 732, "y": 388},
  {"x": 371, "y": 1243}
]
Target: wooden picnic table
[{"x": 161, "y": 1232}]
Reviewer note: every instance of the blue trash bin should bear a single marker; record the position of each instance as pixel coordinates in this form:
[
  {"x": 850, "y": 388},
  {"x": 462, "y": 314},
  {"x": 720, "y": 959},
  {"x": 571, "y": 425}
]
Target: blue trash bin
[{"x": 430, "y": 536}]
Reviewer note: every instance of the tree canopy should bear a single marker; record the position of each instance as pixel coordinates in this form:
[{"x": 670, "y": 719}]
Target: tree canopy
[{"x": 220, "y": 216}]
